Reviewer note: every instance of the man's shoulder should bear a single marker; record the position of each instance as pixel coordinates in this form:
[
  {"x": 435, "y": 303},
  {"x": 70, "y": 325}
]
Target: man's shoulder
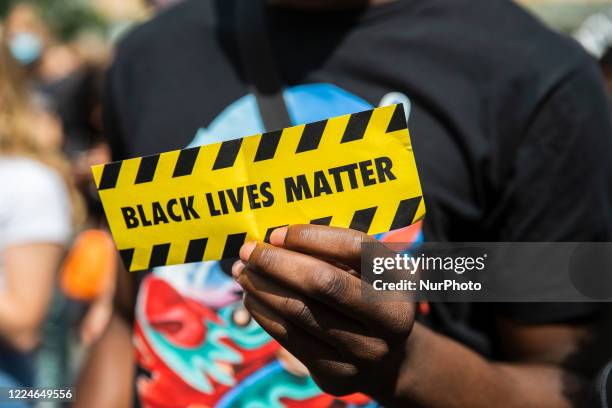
[
  {"x": 491, "y": 37},
  {"x": 168, "y": 30},
  {"x": 517, "y": 34},
  {"x": 515, "y": 53}
]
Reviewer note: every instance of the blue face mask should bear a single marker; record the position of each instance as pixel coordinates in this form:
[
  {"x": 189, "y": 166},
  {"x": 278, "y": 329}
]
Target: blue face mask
[{"x": 26, "y": 47}]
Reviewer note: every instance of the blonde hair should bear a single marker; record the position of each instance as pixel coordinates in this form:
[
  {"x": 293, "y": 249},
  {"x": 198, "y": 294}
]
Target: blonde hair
[{"x": 18, "y": 133}]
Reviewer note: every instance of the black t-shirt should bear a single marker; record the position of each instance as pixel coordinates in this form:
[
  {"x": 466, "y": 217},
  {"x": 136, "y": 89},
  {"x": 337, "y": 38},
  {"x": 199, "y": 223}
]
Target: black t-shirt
[{"x": 508, "y": 120}]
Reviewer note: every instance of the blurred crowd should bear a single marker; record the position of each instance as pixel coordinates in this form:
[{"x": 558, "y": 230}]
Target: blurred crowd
[
  {"x": 50, "y": 135},
  {"x": 57, "y": 262}
]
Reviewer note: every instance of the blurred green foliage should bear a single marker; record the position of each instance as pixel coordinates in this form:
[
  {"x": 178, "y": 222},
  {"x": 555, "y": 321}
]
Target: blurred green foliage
[
  {"x": 65, "y": 18},
  {"x": 568, "y": 16}
]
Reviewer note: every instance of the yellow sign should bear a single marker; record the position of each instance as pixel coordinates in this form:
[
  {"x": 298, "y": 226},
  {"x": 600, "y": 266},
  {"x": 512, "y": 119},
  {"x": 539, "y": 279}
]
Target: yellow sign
[{"x": 202, "y": 203}]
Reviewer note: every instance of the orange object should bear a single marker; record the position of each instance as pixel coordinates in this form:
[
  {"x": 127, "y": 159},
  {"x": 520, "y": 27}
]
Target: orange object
[
  {"x": 406, "y": 234},
  {"x": 90, "y": 266},
  {"x": 424, "y": 308}
]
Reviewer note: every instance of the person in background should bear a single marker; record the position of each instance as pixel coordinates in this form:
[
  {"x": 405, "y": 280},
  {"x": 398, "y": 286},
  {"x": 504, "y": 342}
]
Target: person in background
[
  {"x": 29, "y": 42},
  {"x": 67, "y": 79},
  {"x": 66, "y": 75},
  {"x": 38, "y": 208},
  {"x": 33, "y": 46}
]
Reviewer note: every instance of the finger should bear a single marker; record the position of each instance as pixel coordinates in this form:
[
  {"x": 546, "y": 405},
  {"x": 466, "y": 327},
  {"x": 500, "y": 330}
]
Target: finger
[
  {"x": 308, "y": 276},
  {"x": 336, "y": 244},
  {"x": 320, "y": 358},
  {"x": 346, "y": 335},
  {"x": 313, "y": 278}
]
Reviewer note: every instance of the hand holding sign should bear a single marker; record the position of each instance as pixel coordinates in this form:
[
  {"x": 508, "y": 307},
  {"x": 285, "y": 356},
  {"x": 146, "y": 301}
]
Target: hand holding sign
[
  {"x": 203, "y": 203},
  {"x": 315, "y": 310}
]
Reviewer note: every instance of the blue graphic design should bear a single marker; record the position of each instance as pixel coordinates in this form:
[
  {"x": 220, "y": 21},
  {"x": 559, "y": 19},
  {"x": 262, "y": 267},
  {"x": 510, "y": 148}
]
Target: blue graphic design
[
  {"x": 196, "y": 364},
  {"x": 305, "y": 103}
]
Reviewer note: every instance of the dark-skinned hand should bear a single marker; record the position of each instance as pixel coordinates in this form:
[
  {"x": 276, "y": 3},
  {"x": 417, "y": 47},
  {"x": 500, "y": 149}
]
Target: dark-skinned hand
[{"x": 304, "y": 289}]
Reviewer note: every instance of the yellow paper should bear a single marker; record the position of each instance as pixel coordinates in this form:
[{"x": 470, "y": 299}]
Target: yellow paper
[{"x": 356, "y": 171}]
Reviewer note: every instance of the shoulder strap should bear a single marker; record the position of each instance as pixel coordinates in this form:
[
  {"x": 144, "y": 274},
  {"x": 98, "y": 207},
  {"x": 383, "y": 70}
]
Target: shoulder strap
[{"x": 257, "y": 59}]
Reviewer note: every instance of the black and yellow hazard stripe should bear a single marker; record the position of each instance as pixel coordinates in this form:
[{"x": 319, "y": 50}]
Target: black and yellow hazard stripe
[
  {"x": 311, "y": 136},
  {"x": 200, "y": 161}
]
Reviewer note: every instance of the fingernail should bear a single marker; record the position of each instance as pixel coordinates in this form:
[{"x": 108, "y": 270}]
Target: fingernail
[
  {"x": 277, "y": 237},
  {"x": 237, "y": 268},
  {"x": 246, "y": 251}
]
